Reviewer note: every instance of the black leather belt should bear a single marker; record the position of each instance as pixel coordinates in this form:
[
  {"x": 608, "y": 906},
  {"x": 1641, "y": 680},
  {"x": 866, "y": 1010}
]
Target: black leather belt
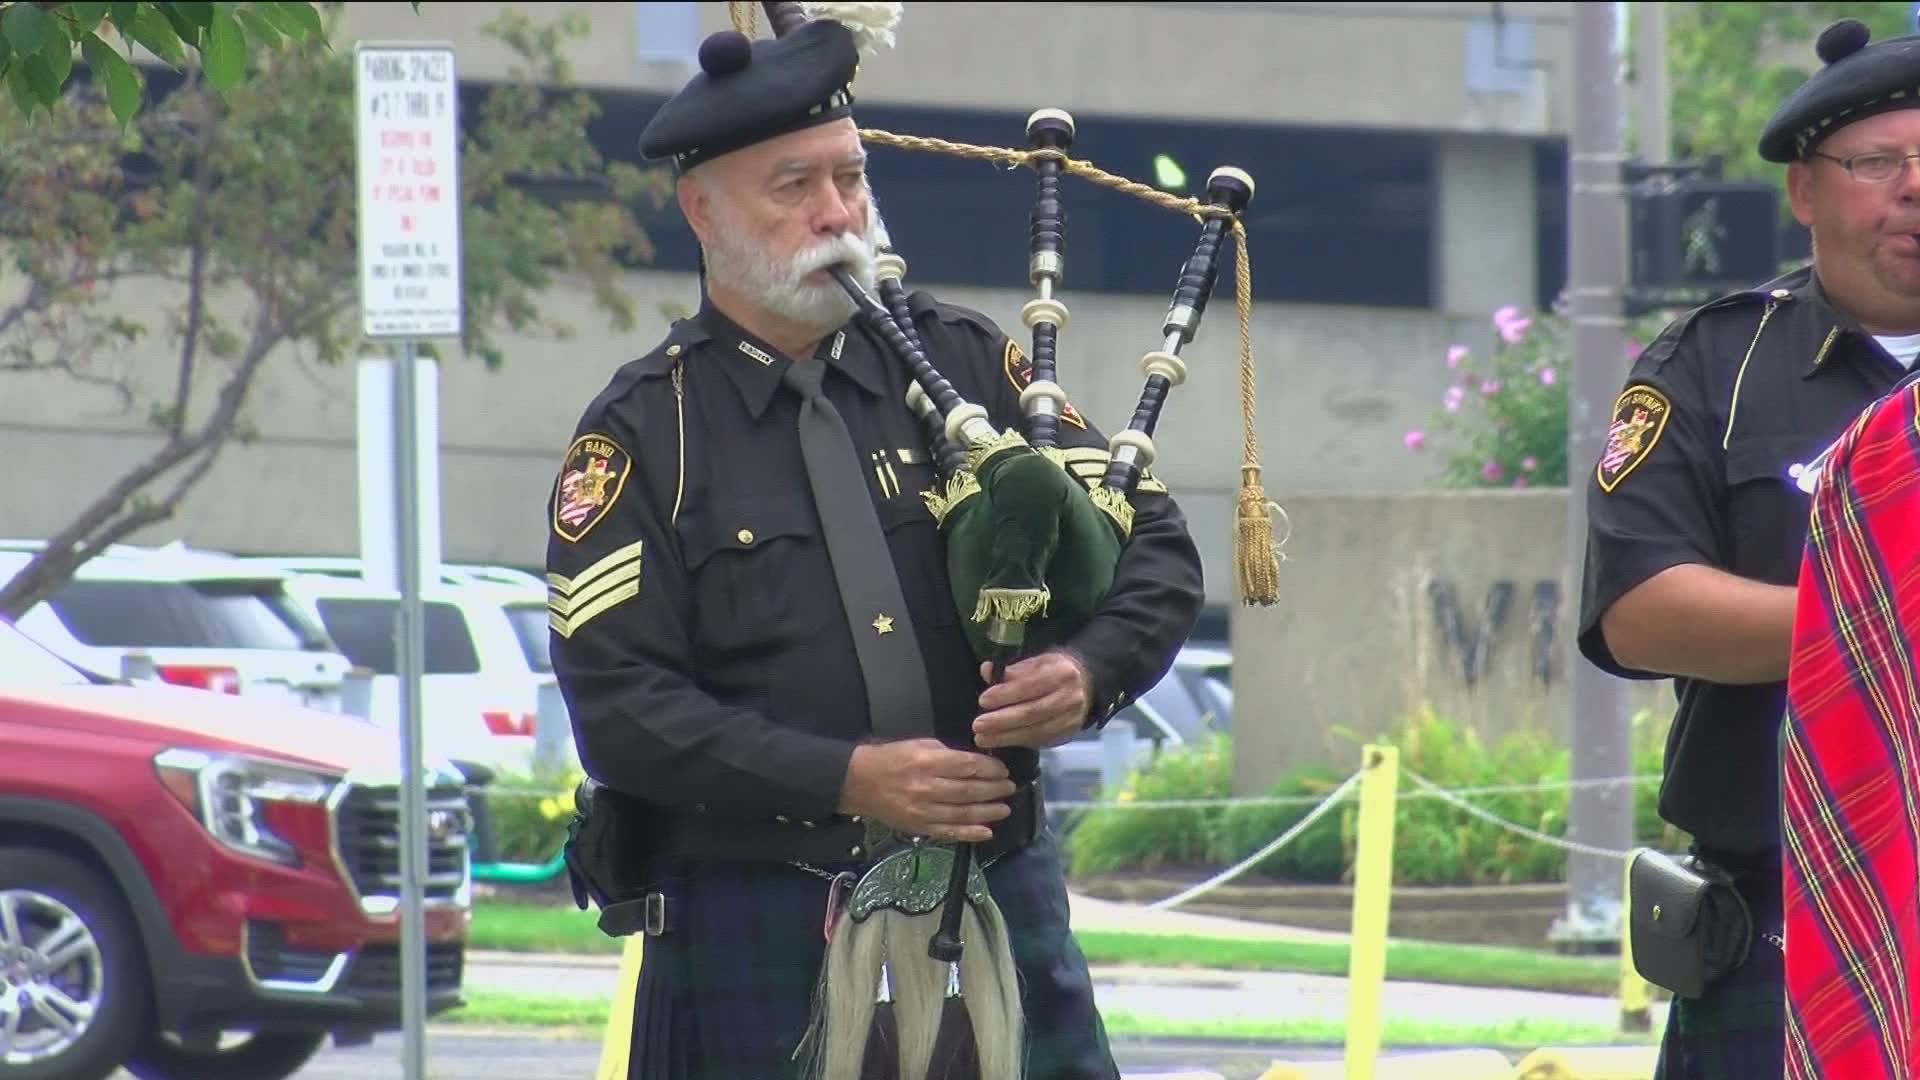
[{"x": 836, "y": 841}]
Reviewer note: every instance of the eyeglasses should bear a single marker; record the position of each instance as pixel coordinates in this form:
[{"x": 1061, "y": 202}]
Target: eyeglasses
[{"x": 1874, "y": 168}]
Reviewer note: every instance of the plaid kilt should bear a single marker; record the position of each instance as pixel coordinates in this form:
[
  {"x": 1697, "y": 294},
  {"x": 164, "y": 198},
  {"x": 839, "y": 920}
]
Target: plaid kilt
[
  {"x": 1737, "y": 1029},
  {"x": 727, "y": 992}
]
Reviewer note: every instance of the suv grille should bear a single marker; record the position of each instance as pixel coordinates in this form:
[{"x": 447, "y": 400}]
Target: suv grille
[
  {"x": 367, "y": 829},
  {"x": 377, "y": 969}
]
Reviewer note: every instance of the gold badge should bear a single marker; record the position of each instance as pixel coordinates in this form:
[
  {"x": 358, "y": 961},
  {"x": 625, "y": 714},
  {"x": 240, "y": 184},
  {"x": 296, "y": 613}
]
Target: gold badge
[
  {"x": 1639, "y": 416},
  {"x": 883, "y": 624},
  {"x": 1019, "y": 372},
  {"x": 591, "y": 478}
]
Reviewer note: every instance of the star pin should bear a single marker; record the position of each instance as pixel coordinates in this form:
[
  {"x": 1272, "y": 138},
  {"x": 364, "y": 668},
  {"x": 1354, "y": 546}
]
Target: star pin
[{"x": 883, "y": 624}]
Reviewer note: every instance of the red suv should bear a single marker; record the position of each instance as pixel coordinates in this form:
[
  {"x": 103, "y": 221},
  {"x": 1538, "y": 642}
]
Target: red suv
[{"x": 177, "y": 866}]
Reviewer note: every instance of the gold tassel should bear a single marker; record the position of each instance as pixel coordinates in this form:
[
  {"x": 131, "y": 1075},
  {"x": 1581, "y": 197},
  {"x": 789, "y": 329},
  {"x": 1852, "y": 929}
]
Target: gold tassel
[
  {"x": 1011, "y": 605},
  {"x": 1256, "y": 558}
]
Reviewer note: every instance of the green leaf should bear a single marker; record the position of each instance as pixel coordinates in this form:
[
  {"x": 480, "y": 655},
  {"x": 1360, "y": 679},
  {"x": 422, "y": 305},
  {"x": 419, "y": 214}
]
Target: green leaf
[
  {"x": 152, "y": 31},
  {"x": 295, "y": 20},
  {"x": 26, "y": 27},
  {"x": 187, "y": 29},
  {"x": 22, "y": 89},
  {"x": 225, "y": 53},
  {"x": 46, "y": 88},
  {"x": 112, "y": 69},
  {"x": 86, "y": 17},
  {"x": 257, "y": 25},
  {"x": 200, "y": 15},
  {"x": 59, "y": 57},
  {"x": 122, "y": 16},
  {"x": 6, "y": 52}
]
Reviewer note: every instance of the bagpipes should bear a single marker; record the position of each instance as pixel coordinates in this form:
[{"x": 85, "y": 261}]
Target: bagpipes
[{"x": 1033, "y": 533}]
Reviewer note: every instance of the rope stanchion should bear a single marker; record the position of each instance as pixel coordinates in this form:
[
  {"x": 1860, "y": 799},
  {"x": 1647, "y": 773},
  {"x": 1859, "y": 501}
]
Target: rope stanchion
[{"x": 1372, "y": 901}]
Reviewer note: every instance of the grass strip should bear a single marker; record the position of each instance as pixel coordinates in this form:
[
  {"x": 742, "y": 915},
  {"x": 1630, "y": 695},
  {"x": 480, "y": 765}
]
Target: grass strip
[
  {"x": 524, "y": 928},
  {"x": 586, "y": 1017}
]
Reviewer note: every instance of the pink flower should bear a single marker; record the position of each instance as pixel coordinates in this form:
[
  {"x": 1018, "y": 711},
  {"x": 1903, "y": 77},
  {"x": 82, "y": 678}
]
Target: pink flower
[
  {"x": 1546, "y": 376},
  {"x": 1414, "y": 440},
  {"x": 1453, "y": 398},
  {"x": 1519, "y": 481},
  {"x": 1528, "y": 464},
  {"x": 1511, "y": 324},
  {"x": 1490, "y": 471},
  {"x": 1455, "y": 354},
  {"x": 1489, "y": 387},
  {"x": 1633, "y": 350}
]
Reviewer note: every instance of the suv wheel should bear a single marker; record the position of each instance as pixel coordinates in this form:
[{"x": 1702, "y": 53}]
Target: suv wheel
[
  {"x": 72, "y": 974},
  {"x": 262, "y": 1055}
]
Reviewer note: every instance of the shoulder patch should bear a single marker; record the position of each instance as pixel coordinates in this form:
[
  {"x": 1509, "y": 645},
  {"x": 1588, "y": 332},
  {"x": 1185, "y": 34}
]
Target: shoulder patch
[
  {"x": 1639, "y": 416},
  {"x": 1019, "y": 372},
  {"x": 592, "y": 475}
]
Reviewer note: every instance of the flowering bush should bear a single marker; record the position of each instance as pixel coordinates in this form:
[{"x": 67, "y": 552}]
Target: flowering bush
[{"x": 1503, "y": 418}]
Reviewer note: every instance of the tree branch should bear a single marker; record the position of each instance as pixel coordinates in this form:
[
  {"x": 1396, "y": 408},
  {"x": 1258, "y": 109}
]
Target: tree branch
[{"x": 196, "y": 276}]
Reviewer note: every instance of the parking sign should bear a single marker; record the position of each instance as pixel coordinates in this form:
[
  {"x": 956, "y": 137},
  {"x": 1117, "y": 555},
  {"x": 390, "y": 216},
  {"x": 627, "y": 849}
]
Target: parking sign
[{"x": 409, "y": 190}]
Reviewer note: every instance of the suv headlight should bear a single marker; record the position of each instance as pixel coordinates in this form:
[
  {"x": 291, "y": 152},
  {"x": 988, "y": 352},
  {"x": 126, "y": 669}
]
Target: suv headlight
[{"x": 247, "y": 803}]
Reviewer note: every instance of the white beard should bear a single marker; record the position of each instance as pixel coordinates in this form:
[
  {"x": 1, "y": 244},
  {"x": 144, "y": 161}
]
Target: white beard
[{"x": 735, "y": 261}]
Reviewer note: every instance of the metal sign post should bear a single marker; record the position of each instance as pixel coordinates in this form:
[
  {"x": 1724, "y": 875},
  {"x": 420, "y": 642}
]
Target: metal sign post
[{"x": 408, "y": 136}]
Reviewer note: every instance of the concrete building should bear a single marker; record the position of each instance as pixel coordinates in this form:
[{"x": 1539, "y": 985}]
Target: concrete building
[{"x": 1410, "y": 163}]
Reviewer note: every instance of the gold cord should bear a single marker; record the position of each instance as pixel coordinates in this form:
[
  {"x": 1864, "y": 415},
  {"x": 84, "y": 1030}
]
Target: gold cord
[
  {"x": 745, "y": 17},
  {"x": 1256, "y": 557}
]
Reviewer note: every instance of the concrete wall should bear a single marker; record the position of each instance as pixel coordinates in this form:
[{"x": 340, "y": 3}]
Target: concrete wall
[
  {"x": 1353, "y": 646},
  {"x": 1336, "y": 388},
  {"x": 1416, "y": 66}
]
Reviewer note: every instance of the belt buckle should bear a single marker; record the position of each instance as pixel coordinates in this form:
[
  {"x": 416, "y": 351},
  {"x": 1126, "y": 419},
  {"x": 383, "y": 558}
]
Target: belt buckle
[{"x": 656, "y": 914}]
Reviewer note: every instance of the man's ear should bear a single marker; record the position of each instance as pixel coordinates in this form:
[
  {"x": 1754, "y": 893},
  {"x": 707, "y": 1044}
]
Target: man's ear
[
  {"x": 1800, "y": 183},
  {"x": 696, "y": 206}
]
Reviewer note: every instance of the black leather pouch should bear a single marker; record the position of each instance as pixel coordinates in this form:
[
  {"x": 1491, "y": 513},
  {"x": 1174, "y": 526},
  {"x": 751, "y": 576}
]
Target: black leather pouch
[
  {"x": 1689, "y": 925},
  {"x": 607, "y": 857}
]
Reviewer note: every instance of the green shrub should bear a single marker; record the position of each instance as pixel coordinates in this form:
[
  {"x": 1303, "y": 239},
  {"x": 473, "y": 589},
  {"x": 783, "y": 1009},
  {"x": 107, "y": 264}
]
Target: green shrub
[
  {"x": 529, "y": 817},
  {"x": 1435, "y": 842},
  {"x": 1317, "y": 856},
  {"x": 1108, "y": 839}
]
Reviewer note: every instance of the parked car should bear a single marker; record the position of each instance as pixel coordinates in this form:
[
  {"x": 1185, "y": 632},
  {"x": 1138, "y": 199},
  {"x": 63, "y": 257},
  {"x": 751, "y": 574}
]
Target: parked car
[
  {"x": 200, "y": 886},
  {"x": 485, "y": 660},
  {"x": 1186, "y": 707},
  {"x": 206, "y": 621}
]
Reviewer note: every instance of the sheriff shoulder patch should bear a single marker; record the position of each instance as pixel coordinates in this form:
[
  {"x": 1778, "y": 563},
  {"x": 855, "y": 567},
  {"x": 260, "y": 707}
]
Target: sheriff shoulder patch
[
  {"x": 1019, "y": 371},
  {"x": 592, "y": 475},
  {"x": 1639, "y": 416}
]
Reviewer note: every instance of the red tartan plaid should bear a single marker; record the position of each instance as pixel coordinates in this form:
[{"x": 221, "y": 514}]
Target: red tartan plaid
[{"x": 1850, "y": 761}]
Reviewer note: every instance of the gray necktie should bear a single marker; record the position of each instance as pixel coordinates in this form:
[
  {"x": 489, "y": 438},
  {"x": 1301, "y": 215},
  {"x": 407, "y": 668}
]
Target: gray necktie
[{"x": 899, "y": 703}]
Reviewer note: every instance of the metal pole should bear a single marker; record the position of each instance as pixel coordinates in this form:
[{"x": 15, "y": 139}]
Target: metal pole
[
  {"x": 1598, "y": 816},
  {"x": 1650, "y": 76},
  {"x": 411, "y": 652}
]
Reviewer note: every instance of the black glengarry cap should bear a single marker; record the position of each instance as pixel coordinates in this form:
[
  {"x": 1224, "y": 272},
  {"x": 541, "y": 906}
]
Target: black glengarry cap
[
  {"x": 748, "y": 91},
  {"x": 1857, "y": 80}
]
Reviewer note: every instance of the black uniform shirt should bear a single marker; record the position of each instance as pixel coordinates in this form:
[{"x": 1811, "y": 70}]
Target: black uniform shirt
[
  {"x": 1697, "y": 469},
  {"x": 698, "y": 635}
]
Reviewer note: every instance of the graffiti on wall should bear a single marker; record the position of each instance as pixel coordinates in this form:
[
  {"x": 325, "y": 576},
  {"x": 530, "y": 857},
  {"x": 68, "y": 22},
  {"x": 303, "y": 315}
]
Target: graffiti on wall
[{"x": 1471, "y": 638}]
